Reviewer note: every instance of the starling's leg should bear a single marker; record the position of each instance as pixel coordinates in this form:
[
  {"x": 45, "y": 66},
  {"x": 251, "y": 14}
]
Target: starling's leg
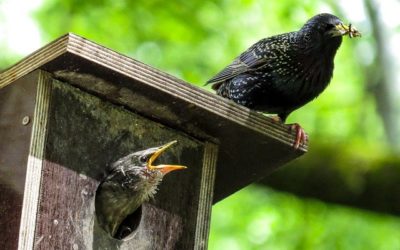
[{"x": 301, "y": 136}]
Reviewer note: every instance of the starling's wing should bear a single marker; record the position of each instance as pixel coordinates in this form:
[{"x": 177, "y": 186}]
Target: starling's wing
[
  {"x": 237, "y": 67},
  {"x": 249, "y": 60}
]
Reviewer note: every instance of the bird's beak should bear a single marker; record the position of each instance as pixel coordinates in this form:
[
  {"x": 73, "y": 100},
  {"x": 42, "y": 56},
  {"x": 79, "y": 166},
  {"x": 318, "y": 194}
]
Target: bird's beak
[
  {"x": 163, "y": 167},
  {"x": 343, "y": 29}
]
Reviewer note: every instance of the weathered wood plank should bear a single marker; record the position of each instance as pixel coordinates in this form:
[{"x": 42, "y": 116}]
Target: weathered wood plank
[
  {"x": 35, "y": 163},
  {"x": 16, "y": 102},
  {"x": 206, "y": 196}
]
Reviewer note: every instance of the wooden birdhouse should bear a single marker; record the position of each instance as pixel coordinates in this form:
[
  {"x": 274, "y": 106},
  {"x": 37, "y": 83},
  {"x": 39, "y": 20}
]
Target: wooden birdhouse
[{"x": 72, "y": 107}]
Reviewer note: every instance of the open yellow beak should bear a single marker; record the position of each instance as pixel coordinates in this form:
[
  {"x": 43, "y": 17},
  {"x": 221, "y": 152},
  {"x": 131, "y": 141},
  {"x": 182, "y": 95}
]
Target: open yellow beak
[
  {"x": 342, "y": 30},
  {"x": 163, "y": 167}
]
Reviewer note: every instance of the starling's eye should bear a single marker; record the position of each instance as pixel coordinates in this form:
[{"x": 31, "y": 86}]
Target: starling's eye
[
  {"x": 329, "y": 26},
  {"x": 144, "y": 158}
]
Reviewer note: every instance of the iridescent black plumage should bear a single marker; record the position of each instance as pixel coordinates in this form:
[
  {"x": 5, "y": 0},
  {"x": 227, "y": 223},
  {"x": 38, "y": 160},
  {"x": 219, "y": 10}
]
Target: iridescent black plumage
[{"x": 282, "y": 73}]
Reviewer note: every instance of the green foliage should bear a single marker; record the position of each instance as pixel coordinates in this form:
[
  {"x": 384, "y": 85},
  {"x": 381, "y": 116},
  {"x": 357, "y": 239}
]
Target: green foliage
[
  {"x": 193, "y": 40},
  {"x": 257, "y": 218}
]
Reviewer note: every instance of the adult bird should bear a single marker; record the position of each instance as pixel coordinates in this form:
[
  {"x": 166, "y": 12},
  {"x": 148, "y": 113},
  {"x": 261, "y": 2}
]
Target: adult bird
[
  {"x": 279, "y": 74},
  {"x": 131, "y": 180}
]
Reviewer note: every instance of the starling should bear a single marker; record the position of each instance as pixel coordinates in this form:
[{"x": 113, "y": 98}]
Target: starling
[
  {"x": 279, "y": 74},
  {"x": 131, "y": 180}
]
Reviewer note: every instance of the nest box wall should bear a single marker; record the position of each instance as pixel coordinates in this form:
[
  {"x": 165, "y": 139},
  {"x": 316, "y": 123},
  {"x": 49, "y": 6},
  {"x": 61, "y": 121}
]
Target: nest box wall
[{"x": 72, "y": 107}]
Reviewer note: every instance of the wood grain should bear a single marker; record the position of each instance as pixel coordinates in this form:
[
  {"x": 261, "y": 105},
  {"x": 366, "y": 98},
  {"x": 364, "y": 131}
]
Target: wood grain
[
  {"x": 16, "y": 102},
  {"x": 206, "y": 196}
]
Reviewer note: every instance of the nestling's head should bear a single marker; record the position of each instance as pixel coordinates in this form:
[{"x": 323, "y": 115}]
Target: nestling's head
[
  {"x": 144, "y": 161},
  {"x": 132, "y": 180}
]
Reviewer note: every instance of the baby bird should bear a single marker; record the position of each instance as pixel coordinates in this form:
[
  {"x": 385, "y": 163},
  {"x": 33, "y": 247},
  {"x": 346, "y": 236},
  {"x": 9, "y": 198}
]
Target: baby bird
[{"x": 131, "y": 180}]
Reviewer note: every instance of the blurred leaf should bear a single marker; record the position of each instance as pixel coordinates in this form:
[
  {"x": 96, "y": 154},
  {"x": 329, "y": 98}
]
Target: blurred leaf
[{"x": 259, "y": 218}]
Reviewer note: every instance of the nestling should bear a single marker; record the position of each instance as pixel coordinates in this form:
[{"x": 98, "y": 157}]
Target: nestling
[
  {"x": 279, "y": 74},
  {"x": 131, "y": 180}
]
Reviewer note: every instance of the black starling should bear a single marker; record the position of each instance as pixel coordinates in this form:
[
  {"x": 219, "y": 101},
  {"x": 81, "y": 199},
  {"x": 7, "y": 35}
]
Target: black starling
[
  {"x": 279, "y": 74},
  {"x": 131, "y": 181}
]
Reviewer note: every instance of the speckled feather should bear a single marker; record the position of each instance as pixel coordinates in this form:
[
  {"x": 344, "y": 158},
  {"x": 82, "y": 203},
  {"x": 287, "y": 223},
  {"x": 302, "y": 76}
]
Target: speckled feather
[{"x": 281, "y": 73}]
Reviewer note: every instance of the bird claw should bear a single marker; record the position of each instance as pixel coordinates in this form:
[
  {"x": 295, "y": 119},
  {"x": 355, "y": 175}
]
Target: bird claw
[{"x": 301, "y": 136}]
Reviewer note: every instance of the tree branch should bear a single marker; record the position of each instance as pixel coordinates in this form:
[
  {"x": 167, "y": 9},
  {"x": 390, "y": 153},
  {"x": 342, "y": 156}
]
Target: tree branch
[{"x": 343, "y": 175}]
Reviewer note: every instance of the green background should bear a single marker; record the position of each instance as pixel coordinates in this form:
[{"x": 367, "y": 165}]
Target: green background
[{"x": 353, "y": 126}]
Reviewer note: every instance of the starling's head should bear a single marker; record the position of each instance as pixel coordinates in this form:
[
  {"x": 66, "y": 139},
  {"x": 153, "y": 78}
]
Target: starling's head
[
  {"x": 327, "y": 27},
  {"x": 132, "y": 180},
  {"x": 147, "y": 158},
  {"x": 144, "y": 160},
  {"x": 144, "y": 176}
]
